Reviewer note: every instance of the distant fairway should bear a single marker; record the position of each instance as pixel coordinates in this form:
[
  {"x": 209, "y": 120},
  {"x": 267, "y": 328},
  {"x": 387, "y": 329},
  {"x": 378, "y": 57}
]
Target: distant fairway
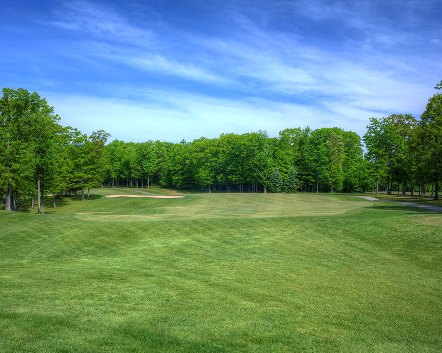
[{"x": 221, "y": 273}]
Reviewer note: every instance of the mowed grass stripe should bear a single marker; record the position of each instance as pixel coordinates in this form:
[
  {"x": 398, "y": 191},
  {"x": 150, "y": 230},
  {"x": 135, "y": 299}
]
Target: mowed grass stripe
[{"x": 364, "y": 280}]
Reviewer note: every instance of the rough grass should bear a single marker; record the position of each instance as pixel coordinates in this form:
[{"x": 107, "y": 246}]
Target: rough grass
[{"x": 221, "y": 273}]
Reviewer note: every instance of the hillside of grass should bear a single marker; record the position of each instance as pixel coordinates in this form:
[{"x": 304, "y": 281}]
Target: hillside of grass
[{"x": 221, "y": 273}]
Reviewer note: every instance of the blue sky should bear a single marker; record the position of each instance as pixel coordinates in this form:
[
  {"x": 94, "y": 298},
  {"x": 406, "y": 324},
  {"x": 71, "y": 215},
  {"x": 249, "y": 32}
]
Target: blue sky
[{"x": 172, "y": 70}]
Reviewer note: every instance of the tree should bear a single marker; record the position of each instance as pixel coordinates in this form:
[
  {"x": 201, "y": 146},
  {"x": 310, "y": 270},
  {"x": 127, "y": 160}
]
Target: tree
[
  {"x": 60, "y": 170},
  {"x": 429, "y": 145},
  {"x": 291, "y": 183},
  {"x": 319, "y": 157},
  {"x": 28, "y": 126},
  {"x": 147, "y": 159},
  {"x": 275, "y": 181},
  {"x": 386, "y": 141},
  {"x": 354, "y": 166},
  {"x": 95, "y": 167},
  {"x": 304, "y": 160},
  {"x": 45, "y": 132},
  {"x": 336, "y": 156}
]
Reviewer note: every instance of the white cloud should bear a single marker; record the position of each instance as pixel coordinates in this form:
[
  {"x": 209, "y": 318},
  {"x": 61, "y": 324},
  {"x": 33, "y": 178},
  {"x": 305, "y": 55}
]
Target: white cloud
[
  {"x": 160, "y": 64},
  {"x": 100, "y": 21}
]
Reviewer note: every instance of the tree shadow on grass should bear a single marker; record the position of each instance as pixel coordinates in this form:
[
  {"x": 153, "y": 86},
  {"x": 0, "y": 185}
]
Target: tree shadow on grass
[
  {"x": 79, "y": 198},
  {"x": 25, "y": 206},
  {"x": 406, "y": 209}
]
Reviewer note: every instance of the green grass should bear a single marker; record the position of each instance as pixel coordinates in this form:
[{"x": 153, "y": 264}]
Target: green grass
[{"x": 221, "y": 273}]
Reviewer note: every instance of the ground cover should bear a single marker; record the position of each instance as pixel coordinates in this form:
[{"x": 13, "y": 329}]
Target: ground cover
[{"x": 221, "y": 273}]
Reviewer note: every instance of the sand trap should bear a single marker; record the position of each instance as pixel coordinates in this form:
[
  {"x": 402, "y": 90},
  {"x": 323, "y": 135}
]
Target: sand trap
[
  {"x": 369, "y": 198},
  {"x": 148, "y": 196}
]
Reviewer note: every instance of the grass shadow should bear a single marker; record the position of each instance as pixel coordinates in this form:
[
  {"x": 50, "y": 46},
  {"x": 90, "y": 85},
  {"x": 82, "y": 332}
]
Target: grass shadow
[{"x": 408, "y": 209}]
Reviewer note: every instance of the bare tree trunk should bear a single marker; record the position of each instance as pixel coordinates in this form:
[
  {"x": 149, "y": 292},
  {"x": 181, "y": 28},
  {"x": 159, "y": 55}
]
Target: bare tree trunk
[
  {"x": 436, "y": 191},
  {"x": 53, "y": 201},
  {"x": 38, "y": 195},
  {"x": 42, "y": 206},
  {"x": 82, "y": 194},
  {"x": 9, "y": 199},
  {"x": 377, "y": 187},
  {"x": 88, "y": 193},
  {"x": 148, "y": 182}
]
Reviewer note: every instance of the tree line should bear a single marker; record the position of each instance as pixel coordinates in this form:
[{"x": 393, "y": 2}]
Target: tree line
[
  {"x": 40, "y": 157},
  {"x": 327, "y": 159}
]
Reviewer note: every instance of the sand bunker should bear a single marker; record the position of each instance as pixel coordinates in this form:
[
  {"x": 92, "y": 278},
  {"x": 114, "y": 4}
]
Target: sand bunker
[
  {"x": 369, "y": 198},
  {"x": 148, "y": 196}
]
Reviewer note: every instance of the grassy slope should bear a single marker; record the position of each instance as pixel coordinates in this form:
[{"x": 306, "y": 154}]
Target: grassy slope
[{"x": 221, "y": 273}]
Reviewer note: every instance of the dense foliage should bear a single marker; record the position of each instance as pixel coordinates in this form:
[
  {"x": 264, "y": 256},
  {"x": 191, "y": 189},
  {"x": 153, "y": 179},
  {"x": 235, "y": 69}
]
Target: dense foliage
[
  {"x": 38, "y": 156},
  {"x": 327, "y": 159}
]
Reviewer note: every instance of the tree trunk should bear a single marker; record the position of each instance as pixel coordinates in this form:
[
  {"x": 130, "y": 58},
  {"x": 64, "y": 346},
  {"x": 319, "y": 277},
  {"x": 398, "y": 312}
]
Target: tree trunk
[
  {"x": 82, "y": 194},
  {"x": 53, "y": 201},
  {"x": 377, "y": 187},
  {"x": 38, "y": 194},
  {"x": 88, "y": 193},
  {"x": 148, "y": 182},
  {"x": 9, "y": 199},
  {"x": 436, "y": 190}
]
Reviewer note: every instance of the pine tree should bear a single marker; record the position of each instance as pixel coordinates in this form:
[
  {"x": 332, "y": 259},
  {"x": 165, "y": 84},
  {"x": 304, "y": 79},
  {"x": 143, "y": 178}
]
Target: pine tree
[
  {"x": 291, "y": 183},
  {"x": 275, "y": 181}
]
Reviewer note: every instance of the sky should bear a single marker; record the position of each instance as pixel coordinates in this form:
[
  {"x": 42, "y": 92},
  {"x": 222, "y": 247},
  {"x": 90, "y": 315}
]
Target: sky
[{"x": 184, "y": 69}]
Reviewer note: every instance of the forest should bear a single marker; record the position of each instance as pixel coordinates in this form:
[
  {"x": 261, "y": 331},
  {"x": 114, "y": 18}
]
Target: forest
[{"x": 41, "y": 160}]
